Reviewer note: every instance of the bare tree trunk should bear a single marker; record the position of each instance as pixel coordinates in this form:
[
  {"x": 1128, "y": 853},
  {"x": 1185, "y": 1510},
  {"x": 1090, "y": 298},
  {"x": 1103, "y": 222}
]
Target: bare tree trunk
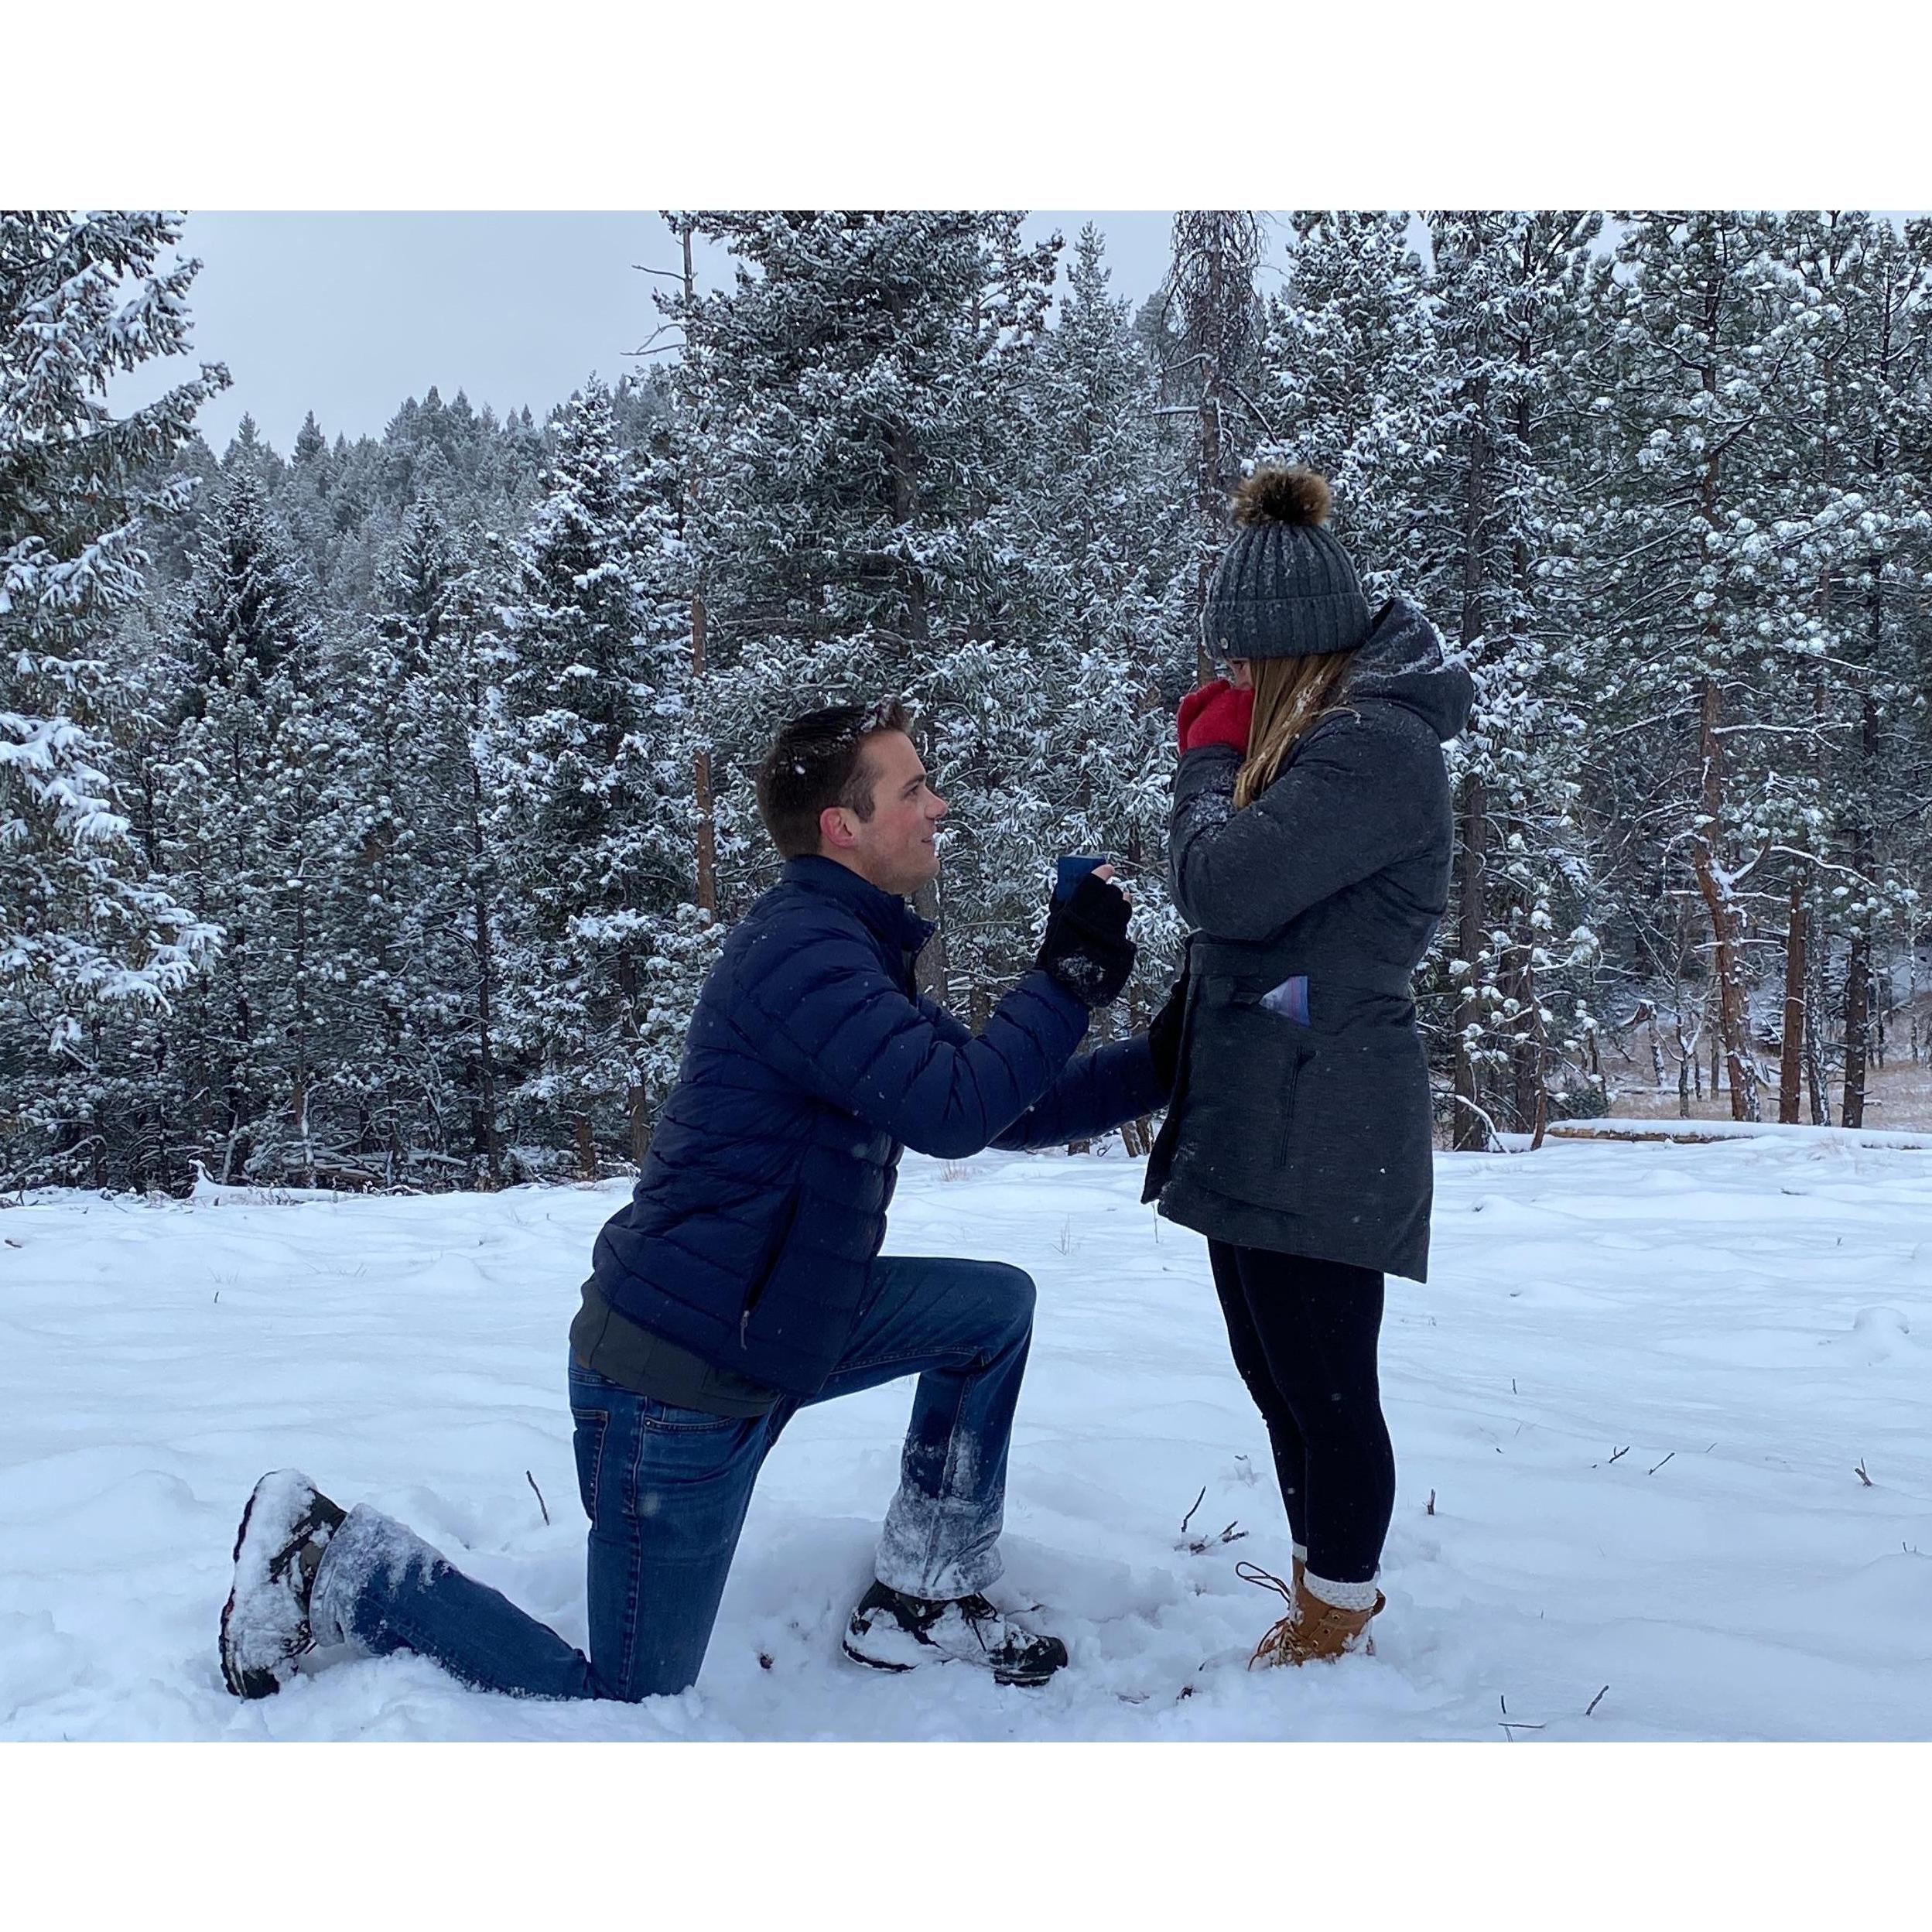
[
  {"x": 586, "y": 1148},
  {"x": 1726, "y": 922},
  {"x": 1858, "y": 979},
  {"x": 1818, "y": 1085},
  {"x": 637, "y": 1107},
  {"x": 1858, "y": 1027},
  {"x": 1791, "y": 1060},
  {"x": 1469, "y": 1131}
]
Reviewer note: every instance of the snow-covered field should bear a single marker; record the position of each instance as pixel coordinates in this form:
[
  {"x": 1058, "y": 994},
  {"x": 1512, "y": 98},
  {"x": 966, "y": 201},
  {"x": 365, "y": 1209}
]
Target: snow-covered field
[{"x": 1635, "y": 1394}]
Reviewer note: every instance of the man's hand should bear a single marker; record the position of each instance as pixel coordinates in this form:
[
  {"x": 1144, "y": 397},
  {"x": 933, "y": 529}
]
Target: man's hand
[
  {"x": 1218, "y": 713},
  {"x": 1163, "y": 1035},
  {"x": 1085, "y": 946}
]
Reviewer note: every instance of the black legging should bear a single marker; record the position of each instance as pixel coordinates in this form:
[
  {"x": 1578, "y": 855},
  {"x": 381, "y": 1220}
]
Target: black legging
[{"x": 1303, "y": 1334}]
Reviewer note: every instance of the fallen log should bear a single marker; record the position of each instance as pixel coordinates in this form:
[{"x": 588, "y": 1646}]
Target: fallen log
[{"x": 1702, "y": 1132}]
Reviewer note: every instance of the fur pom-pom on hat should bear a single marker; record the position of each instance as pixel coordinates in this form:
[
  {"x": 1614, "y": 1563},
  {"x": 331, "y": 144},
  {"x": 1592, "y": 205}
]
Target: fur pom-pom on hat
[{"x": 1295, "y": 496}]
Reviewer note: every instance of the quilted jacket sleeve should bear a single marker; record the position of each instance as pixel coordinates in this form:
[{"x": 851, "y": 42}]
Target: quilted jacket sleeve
[
  {"x": 822, "y": 1008},
  {"x": 1356, "y": 800},
  {"x": 1095, "y": 1093}
]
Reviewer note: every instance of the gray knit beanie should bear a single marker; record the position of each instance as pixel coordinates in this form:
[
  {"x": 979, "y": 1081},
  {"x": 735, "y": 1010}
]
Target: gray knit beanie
[{"x": 1284, "y": 588}]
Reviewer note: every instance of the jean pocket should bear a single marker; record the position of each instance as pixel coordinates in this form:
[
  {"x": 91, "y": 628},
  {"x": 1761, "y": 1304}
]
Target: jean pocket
[
  {"x": 586, "y": 1442},
  {"x": 667, "y": 1418}
]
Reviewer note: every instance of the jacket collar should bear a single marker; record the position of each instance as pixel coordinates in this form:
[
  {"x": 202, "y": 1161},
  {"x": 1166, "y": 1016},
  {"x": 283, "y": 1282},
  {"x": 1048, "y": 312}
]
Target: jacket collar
[{"x": 885, "y": 913}]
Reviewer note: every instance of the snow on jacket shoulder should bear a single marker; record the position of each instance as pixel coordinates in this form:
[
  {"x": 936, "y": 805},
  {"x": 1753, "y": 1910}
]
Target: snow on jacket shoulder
[{"x": 811, "y": 1063}]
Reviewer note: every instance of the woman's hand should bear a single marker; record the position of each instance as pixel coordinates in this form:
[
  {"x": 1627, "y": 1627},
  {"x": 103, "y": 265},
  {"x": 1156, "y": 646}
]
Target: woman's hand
[
  {"x": 1216, "y": 714},
  {"x": 1193, "y": 704}
]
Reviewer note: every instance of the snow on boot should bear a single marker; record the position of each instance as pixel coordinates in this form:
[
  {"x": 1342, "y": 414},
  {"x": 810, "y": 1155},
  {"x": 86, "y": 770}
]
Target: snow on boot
[
  {"x": 1313, "y": 1628},
  {"x": 890, "y": 1632},
  {"x": 264, "y": 1623}
]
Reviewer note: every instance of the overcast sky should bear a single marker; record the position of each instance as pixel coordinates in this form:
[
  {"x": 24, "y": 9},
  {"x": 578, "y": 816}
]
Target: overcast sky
[{"x": 347, "y": 314}]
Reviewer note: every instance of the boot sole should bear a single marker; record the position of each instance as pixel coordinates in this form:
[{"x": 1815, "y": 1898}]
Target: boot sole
[
  {"x": 241, "y": 1683},
  {"x": 1029, "y": 1681}
]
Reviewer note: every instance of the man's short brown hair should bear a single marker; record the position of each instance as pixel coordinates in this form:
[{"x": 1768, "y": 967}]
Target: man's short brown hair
[{"x": 818, "y": 760}]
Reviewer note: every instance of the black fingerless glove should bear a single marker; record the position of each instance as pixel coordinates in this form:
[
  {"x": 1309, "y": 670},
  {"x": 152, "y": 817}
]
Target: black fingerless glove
[
  {"x": 1087, "y": 947},
  {"x": 1164, "y": 1036}
]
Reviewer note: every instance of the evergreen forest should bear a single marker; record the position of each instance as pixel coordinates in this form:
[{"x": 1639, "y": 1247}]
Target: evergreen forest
[{"x": 371, "y": 811}]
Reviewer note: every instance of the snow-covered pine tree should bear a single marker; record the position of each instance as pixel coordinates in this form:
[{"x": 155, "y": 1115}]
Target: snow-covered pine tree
[
  {"x": 1710, "y": 332},
  {"x": 85, "y": 929},
  {"x": 1350, "y": 362},
  {"x": 589, "y": 776},
  {"x": 390, "y": 839},
  {"x": 1209, "y": 325},
  {"x": 1857, "y": 534},
  {"x": 1100, "y": 519},
  {"x": 1508, "y": 305},
  {"x": 857, "y": 430},
  {"x": 246, "y": 838},
  {"x": 443, "y": 591}
]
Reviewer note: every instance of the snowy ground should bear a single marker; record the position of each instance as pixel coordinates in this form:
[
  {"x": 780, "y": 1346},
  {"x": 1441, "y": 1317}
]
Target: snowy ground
[{"x": 1636, "y": 1390}]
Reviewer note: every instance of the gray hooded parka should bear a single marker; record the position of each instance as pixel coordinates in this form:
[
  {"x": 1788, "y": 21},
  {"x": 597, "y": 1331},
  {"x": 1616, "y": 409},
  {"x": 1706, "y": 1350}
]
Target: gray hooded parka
[{"x": 1300, "y": 1119}]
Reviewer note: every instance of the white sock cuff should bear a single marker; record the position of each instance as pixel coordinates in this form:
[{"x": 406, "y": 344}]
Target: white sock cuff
[
  {"x": 1301, "y": 1554},
  {"x": 1341, "y": 1596}
]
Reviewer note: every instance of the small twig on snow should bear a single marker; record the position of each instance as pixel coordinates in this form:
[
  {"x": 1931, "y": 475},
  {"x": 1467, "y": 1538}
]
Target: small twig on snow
[
  {"x": 1597, "y": 1699},
  {"x": 541, "y": 1504},
  {"x": 1428, "y": 1509},
  {"x": 1858, "y": 1469},
  {"x": 1653, "y": 1471},
  {"x": 1197, "y": 1501},
  {"x": 1624, "y": 1451}
]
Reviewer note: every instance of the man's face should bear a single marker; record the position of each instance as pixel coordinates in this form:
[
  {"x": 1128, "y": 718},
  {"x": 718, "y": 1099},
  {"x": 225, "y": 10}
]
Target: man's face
[{"x": 896, "y": 848}]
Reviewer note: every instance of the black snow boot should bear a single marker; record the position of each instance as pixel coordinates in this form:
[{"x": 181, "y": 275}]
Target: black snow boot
[
  {"x": 265, "y": 1624},
  {"x": 889, "y": 1632}
]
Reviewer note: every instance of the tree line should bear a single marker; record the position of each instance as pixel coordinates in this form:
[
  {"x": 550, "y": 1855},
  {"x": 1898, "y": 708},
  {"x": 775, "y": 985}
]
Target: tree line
[{"x": 370, "y": 815}]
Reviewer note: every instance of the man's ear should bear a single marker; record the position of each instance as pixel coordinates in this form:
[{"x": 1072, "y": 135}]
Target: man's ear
[{"x": 834, "y": 828}]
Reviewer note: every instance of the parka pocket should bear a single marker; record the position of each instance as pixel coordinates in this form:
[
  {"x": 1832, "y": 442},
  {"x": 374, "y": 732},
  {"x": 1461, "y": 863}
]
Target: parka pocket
[{"x": 1243, "y": 1129}]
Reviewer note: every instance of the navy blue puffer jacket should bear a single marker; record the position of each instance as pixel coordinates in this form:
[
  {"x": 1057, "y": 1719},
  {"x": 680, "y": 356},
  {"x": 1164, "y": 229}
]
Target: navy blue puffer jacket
[{"x": 811, "y": 1062}]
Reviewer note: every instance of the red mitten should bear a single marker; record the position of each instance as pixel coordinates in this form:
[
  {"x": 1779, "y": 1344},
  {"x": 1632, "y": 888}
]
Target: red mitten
[
  {"x": 1224, "y": 715},
  {"x": 1194, "y": 704}
]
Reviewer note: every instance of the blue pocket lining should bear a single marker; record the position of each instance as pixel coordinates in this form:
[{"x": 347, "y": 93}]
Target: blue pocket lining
[{"x": 1290, "y": 999}]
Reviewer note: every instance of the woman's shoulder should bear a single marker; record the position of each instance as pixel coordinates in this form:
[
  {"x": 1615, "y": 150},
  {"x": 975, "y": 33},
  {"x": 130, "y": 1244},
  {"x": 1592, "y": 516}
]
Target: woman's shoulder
[{"x": 1372, "y": 729}]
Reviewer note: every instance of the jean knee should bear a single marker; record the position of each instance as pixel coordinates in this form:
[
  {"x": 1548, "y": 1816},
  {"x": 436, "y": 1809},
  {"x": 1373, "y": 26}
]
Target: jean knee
[{"x": 1011, "y": 1290}]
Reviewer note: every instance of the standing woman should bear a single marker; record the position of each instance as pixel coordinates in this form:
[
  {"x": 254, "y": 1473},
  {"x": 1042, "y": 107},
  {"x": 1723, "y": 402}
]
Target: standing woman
[{"x": 1309, "y": 850}]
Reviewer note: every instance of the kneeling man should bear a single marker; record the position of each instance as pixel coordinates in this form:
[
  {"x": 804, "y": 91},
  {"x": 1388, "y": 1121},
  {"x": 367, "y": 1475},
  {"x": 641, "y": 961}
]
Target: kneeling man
[{"x": 743, "y": 1280}]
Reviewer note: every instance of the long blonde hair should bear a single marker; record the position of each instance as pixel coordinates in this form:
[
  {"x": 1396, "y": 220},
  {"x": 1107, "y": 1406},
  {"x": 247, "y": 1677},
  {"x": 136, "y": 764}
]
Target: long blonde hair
[{"x": 1291, "y": 696}]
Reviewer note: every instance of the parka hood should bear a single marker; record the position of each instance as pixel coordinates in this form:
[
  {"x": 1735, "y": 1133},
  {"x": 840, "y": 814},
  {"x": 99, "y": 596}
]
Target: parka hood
[{"x": 1402, "y": 661}]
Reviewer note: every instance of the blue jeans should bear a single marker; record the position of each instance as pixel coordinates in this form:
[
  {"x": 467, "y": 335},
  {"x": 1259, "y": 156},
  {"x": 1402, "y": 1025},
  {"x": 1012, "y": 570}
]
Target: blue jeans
[{"x": 666, "y": 1490}]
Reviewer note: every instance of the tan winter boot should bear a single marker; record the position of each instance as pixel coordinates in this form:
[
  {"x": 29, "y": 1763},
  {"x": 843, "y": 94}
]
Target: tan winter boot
[{"x": 1312, "y": 1629}]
